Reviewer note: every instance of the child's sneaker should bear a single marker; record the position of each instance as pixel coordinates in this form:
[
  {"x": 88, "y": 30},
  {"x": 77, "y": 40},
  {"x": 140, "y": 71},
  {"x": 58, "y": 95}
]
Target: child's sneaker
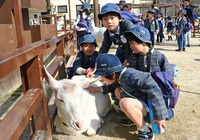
[
  {"x": 145, "y": 135},
  {"x": 127, "y": 122}
]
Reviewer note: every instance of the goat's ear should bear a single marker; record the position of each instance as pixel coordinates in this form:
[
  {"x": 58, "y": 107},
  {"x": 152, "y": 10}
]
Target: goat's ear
[
  {"x": 68, "y": 86},
  {"x": 71, "y": 88},
  {"x": 85, "y": 82},
  {"x": 53, "y": 83}
]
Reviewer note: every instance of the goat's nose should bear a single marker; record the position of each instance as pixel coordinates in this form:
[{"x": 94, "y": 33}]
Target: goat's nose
[{"x": 79, "y": 124}]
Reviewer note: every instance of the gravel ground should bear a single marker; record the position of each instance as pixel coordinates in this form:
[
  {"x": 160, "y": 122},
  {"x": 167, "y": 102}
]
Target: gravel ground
[{"x": 185, "y": 124}]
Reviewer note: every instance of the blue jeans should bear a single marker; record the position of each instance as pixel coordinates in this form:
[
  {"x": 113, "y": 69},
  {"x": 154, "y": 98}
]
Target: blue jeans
[{"x": 181, "y": 40}]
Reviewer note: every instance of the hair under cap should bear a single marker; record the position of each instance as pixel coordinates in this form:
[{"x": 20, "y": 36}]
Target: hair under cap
[{"x": 108, "y": 8}]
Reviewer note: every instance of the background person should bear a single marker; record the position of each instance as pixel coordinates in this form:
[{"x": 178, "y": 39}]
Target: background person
[
  {"x": 189, "y": 15},
  {"x": 181, "y": 33},
  {"x": 84, "y": 14},
  {"x": 151, "y": 23}
]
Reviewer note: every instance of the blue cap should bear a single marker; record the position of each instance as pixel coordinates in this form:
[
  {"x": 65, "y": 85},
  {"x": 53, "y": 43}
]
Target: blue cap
[
  {"x": 151, "y": 11},
  {"x": 85, "y": 6},
  {"x": 141, "y": 33},
  {"x": 109, "y": 7},
  {"x": 108, "y": 64},
  {"x": 182, "y": 11},
  {"x": 169, "y": 17},
  {"x": 122, "y": 2},
  {"x": 88, "y": 39}
]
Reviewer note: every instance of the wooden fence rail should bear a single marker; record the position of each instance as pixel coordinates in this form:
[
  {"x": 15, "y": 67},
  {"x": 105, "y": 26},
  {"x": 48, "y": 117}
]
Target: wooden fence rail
[{"x": 33, "y": 105}]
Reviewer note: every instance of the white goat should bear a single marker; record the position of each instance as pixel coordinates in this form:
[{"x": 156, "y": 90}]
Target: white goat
[{"x": 78, "y": 111}]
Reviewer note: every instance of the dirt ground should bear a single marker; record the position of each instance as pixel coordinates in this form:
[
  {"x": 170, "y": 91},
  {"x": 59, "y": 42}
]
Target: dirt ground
[{"x": 186, "y": 123}]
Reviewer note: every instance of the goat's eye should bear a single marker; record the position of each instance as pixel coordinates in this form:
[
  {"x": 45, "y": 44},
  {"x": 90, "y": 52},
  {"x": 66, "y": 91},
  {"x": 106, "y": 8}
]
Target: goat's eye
[{"x": 61, "y": 100}]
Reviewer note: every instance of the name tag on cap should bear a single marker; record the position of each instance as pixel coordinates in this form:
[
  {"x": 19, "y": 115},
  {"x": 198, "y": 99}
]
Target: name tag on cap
[{"x": 103, "y": 64}]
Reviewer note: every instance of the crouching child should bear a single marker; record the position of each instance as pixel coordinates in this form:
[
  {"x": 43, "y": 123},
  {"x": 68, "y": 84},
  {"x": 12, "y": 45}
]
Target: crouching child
[
  {"x": 135, "y": 87},
  {"x": 85, "y": 59}
]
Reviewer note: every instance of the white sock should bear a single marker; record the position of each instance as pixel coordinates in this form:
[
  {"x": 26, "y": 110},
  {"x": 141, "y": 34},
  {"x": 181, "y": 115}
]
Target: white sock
[{"x": 145, "y": 129}]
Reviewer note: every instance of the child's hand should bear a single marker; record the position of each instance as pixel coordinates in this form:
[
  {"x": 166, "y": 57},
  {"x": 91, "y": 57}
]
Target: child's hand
[
  {"x": 93, "y": 89},
  {"x": 90, "y": 75},
  {"x": 89, "y": 70},
  {"x": 126, "y": 64}
]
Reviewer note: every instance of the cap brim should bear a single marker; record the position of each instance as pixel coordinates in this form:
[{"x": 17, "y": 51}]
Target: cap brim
[
  {"x": 100, "y": 15},
  {"x": 106, "y": 73},
  {"x": 98, "y": 73},
  {"x": 151, "y": 12},
  {"x": 89, "y": 42},
  {"x": 137, "y": 35}
]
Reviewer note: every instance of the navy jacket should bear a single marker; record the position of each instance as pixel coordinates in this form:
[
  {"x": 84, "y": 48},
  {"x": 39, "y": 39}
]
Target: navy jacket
[
  {"x": 190, "y": 14},
  {"x": 84, "y": 61},
  {"x": 125, "y": 25},
  {"x": 182, "y": 23},
  {"x": 151, "y": 25}
]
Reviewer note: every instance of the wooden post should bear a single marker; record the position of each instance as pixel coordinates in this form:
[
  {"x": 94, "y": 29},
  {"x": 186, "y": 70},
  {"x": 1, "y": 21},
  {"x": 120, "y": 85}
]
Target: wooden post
[
  {"x": 96, "y": 11},
  {"x": 33, "y": 76},
  {"x": 64, "y": 18},
  {"x": 55, "y": 21},
  {"x": 70, "y": 18},
  {"x": 19, "y": 23}
]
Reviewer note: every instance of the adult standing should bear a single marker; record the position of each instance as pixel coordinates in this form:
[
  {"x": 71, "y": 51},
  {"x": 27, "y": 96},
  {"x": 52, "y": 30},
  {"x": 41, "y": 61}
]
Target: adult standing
[
  {"x": 192, "y": 17},
  {"x": 123, "y": 6}
]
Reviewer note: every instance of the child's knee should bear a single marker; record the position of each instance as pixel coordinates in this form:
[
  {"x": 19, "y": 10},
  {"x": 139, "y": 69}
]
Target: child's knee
[
  {"x": 124, "y": 104},
  {"x": 127, "y": 103}
]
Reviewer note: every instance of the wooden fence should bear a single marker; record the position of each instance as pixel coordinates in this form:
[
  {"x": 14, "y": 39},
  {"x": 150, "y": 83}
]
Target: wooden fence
[{"x": 32, "y": 108}]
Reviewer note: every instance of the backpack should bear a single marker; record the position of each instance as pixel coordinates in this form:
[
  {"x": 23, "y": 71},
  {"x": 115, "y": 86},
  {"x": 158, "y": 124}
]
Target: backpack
[
  {"x": 166, "y": 83},
  {"x": 82, "y": 27},
  {"x": 173, "y": 26},
  {"x": 165, "y": 80},
  {"x": 191, "y": 14},
  {"x": 129, "y": 16},
  {"x": 188, "y": 27}
]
